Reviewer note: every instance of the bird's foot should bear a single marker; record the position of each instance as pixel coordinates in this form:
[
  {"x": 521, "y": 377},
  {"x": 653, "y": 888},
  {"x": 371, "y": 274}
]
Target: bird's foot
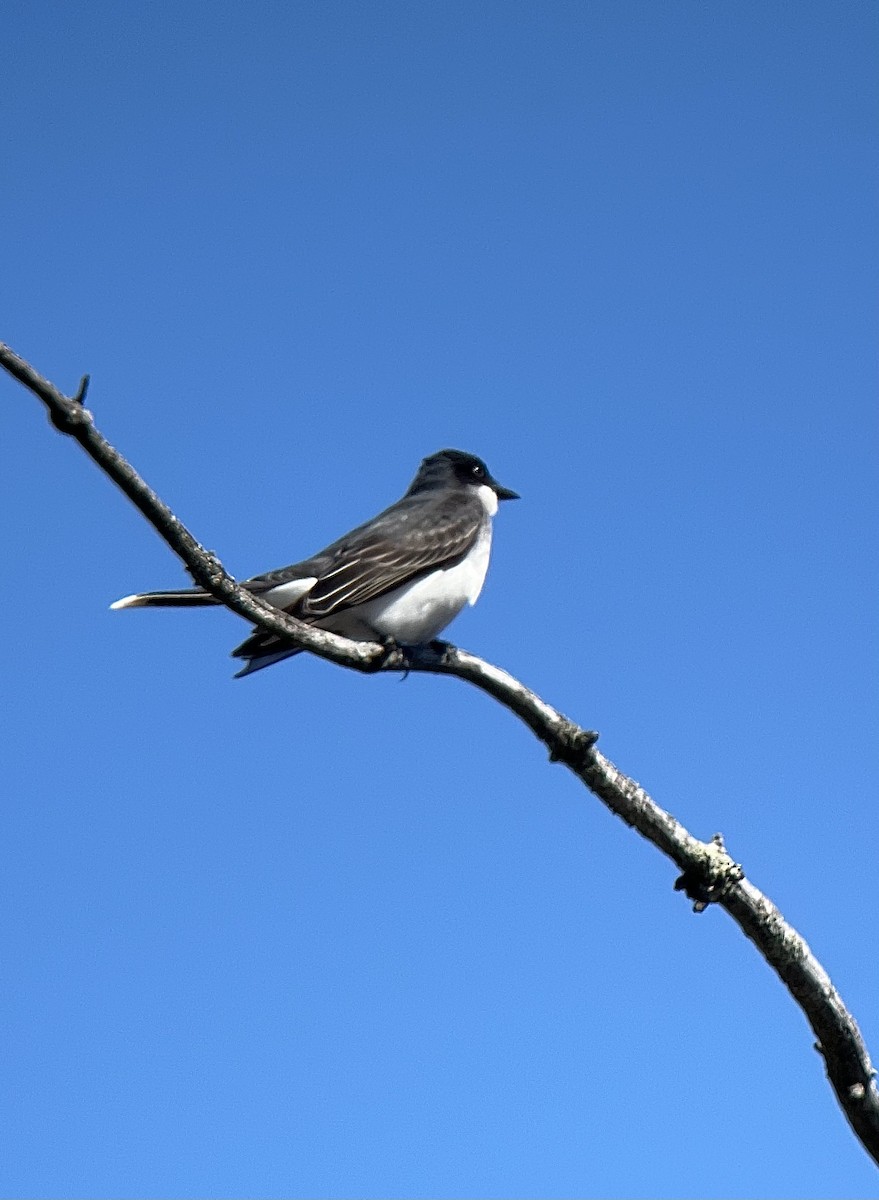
[
  {"x": 428, "y": 654},
  {"x": 396, "y": 657},
  {"x": 390, "y": 659},
  {"x": 437, "y": 650},
  {"x": 400, "y": 657}
]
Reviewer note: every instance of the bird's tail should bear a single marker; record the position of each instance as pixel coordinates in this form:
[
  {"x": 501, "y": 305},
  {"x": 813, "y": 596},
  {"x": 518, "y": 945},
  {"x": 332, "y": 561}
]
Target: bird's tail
[
  {"x": 190, "y": 598},
  {"x": 264, "y": 660}
]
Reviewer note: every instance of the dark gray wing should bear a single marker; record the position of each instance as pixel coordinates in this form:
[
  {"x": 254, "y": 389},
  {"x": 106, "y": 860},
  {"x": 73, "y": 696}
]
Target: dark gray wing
[{"x": 415, "y": 534}]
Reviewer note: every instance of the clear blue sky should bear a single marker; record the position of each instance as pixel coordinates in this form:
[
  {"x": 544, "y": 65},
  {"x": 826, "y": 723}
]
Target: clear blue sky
[{"x": 310, "y": 934}]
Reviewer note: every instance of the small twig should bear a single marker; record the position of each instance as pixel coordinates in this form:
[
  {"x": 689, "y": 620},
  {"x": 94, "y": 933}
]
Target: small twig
[
  {"x": 79, "y": 398},
  {"x": 709, "y": 875}
]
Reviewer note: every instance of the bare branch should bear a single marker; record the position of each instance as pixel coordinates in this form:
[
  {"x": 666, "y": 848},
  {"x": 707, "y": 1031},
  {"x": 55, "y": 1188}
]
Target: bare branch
[
  {"x": 709, "y": 875},
  {"x": 69, "y": 416}
]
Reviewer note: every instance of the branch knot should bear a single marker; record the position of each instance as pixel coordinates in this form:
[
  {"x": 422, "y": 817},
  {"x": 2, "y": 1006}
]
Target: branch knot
[
  {"x": 714, "y": 876},
  {"x": 572, "y": 745},
  {"x": 70, "y": 417}
]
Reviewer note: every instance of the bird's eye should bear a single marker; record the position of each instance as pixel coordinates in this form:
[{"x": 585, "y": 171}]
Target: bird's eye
[{"x": 477, "y": 471}]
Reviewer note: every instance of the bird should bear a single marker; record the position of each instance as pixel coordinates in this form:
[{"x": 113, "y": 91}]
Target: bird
[{"x": 399, "y": 578}]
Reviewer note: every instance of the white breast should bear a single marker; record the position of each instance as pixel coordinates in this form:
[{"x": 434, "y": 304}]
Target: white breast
[{"x": 418, "y": 612}]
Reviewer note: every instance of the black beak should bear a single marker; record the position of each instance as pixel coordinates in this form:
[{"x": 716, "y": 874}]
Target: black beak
[{"x": 503, "y": 493}]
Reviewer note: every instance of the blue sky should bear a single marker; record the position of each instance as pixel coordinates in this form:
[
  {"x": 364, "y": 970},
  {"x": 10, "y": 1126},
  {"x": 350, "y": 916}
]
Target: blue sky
[{"x": 310, "y": 934}]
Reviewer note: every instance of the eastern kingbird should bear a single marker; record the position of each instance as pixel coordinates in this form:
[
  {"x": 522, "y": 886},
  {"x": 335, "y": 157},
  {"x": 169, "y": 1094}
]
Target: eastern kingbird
[{"x": 402, "y": 576}]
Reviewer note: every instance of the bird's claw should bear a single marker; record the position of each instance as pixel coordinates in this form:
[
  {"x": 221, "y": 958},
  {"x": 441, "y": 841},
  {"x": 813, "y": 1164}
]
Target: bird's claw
[{"x": 405, "y": 658}]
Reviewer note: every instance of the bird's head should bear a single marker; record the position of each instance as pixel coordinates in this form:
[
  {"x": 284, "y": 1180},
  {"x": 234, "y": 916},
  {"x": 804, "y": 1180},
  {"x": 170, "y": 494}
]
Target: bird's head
[{"x": 456, "y": 468}]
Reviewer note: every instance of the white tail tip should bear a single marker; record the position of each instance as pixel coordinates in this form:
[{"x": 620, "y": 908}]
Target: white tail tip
[{"x": 127, "y": 602}]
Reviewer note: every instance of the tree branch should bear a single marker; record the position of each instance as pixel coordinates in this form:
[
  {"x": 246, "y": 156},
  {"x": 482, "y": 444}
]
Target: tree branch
[{"x": 709, "y": 875}]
